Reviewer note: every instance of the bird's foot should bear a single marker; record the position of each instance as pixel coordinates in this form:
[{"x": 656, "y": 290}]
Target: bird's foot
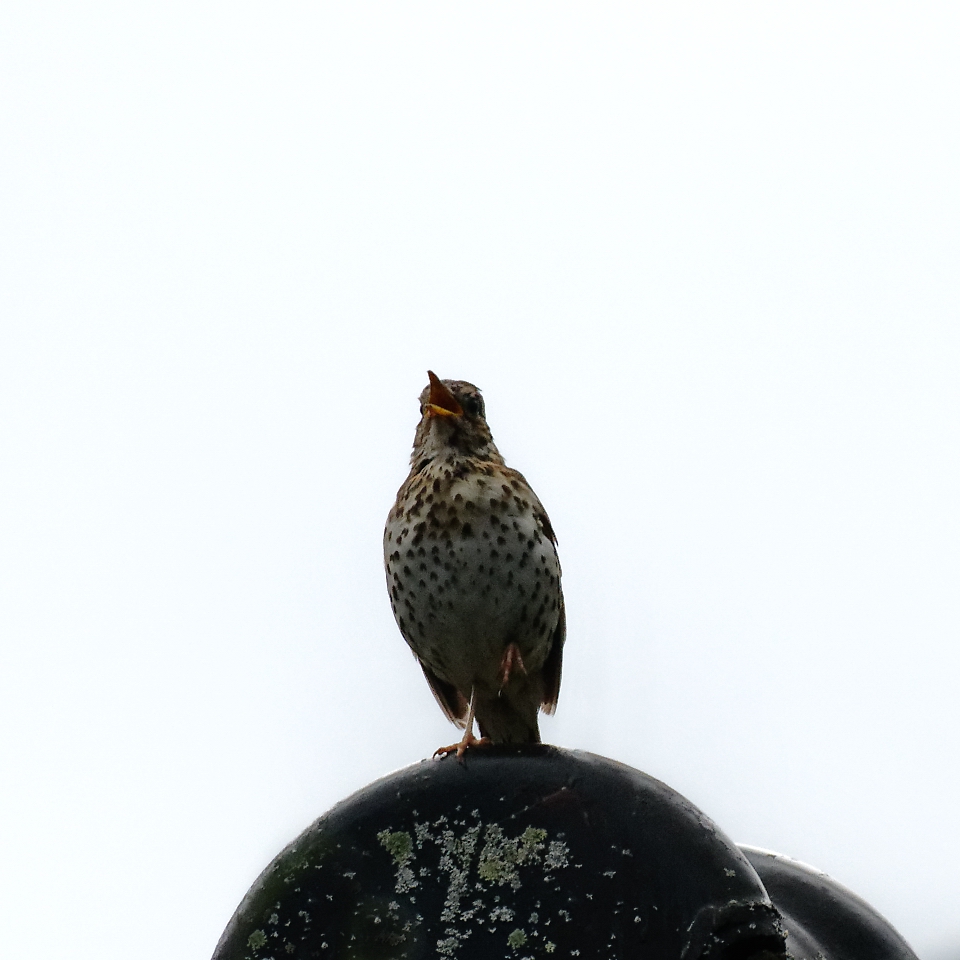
[
  {"x": 511, "y": 661},
  {"x": 467, "y": 741}
]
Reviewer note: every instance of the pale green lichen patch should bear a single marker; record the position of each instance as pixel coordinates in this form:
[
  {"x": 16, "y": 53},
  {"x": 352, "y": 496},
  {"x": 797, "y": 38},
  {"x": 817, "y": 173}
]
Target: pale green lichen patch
[
  {"x": 399, "y": 845},
  {"x": 256, "y": 940},
  {"x": 532, "y": 839},
  {"x": 472, "y": 862},
  {"x": 502, "y": 855},
  {"x": 557, "y": 855}
]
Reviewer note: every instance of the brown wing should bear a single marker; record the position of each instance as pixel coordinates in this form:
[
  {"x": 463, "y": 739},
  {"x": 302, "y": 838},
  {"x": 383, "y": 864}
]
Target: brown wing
[
  {"x": 553, "y": 666},
  {"x": 544, "y": 522},
  {"x": 452, "y": 701}
]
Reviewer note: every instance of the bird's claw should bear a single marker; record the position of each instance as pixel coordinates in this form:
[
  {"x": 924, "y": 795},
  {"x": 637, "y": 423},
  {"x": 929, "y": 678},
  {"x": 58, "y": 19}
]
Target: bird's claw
[{"x": 466, "y": 742}]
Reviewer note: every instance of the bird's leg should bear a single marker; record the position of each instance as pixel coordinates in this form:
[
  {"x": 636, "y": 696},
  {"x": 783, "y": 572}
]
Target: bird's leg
[
  {"x": 511, "y": 661},
  {"x": 468, "y": 739}
]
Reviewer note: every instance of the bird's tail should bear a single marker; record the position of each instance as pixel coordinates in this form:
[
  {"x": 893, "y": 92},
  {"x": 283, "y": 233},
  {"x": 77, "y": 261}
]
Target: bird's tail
[{"x": 506, "y": 721}]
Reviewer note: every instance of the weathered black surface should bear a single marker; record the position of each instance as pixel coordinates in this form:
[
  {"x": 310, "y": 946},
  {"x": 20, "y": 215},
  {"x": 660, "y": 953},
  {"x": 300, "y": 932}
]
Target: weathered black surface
[
  {"x": 516, "y": 853},
  {"x": 531, "y": 852},
  {"x": 824, "y": 917}
]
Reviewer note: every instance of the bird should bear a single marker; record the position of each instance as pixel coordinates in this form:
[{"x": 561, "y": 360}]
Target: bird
[{"x": 473, "y": 575}]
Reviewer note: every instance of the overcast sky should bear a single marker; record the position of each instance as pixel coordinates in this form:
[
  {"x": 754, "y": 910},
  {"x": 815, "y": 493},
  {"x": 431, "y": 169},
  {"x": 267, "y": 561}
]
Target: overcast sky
[{"x": 703, "y": 261}]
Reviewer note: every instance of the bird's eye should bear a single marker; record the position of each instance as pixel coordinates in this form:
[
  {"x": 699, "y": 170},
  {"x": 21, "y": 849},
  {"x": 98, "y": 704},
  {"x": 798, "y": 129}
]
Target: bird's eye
[{"x": 473, "y": 406}]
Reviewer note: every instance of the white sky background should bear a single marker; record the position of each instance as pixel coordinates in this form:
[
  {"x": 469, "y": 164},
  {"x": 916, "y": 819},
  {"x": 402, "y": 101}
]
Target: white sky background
[{"x": 703, "y": 261}]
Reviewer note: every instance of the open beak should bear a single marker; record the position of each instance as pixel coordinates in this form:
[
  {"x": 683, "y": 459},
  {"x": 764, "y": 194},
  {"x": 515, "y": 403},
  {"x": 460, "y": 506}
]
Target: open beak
[{"x": 442, "y": 402}]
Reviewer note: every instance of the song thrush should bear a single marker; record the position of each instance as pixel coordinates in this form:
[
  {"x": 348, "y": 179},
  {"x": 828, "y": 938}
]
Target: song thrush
[{"x": 473, "y": 574}]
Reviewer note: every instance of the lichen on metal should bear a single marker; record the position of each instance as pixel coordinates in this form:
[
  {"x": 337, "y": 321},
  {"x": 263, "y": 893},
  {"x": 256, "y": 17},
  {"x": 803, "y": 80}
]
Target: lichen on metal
[{"x": 475, "y": 861}]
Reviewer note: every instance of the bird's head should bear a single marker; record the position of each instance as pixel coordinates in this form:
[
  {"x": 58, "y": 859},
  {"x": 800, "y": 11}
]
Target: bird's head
[{"x": 452, "y": 422}]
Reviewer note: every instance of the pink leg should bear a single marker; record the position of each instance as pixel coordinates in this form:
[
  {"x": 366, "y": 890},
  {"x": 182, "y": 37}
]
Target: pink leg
[
  {"x": 467, "y": 740},
  {"x": 511, "y": 661}
]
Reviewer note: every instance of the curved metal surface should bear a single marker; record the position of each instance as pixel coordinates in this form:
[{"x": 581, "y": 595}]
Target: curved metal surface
[
  {"x": 822, "y": 917},
  {"x": 518, "y": 852}
]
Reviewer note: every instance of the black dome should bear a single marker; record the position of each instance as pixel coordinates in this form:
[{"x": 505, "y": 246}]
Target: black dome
[{"x": 517, "y": 852}]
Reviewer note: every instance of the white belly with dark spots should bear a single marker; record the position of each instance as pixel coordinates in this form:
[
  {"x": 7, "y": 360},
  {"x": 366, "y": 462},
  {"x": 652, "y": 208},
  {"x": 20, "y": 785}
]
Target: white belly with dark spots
[{"x": 462, "y": 595}]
